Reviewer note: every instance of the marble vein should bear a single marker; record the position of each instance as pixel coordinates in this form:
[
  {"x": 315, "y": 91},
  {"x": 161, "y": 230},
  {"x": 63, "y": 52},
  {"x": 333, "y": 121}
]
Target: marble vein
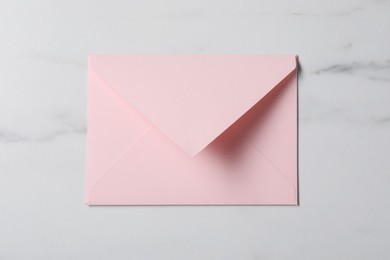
[
  {"x": 9, "y": 136},
  {"x": 357, "y": 68},
  {"x": 57, "y": 126}
]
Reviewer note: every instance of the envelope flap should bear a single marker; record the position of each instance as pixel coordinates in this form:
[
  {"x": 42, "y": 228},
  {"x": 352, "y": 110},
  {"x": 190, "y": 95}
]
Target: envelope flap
[{"x": 192, "y": 98}]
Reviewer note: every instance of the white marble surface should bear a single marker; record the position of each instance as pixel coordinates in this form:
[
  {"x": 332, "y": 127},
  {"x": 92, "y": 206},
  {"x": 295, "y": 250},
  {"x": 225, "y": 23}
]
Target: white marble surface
[{"x": 344, "y": 129}]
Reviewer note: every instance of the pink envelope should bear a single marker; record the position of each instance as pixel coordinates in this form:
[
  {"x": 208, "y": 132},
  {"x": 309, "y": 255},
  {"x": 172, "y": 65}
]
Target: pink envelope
[{"x": 192, "y": 129}]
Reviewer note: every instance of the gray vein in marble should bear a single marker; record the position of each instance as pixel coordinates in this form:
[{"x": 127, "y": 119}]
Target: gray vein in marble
[
  {"x": 7, "y": 136},
  {"x": 373, "y": 121},
  {"x": 65, "y": 125},
  {"x": 378, "y": 121},
  {"x": 383, "y": 120},
  {"x": 358, "y": 67}
]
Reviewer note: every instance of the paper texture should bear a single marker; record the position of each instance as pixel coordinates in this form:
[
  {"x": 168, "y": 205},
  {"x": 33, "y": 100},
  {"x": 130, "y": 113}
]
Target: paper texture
[{"x": 192, "y": 129}]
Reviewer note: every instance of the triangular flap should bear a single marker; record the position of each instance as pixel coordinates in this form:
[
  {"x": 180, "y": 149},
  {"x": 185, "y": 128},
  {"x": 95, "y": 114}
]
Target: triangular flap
[{"x": 192, "y": 98}]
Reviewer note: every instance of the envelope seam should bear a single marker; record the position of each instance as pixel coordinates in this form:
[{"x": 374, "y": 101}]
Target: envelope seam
[
  {"x": 109, "y": 88},
  {"x": 267, "y": 93},
  {"x": 120, "y": 156},
  {"x": 272, "y": 164},
  {"x": 220, "y": 131}
]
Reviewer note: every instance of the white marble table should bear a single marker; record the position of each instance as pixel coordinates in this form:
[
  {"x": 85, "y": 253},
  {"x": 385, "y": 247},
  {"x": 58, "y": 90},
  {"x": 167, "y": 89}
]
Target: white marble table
[{"x": 344, "y": 129}]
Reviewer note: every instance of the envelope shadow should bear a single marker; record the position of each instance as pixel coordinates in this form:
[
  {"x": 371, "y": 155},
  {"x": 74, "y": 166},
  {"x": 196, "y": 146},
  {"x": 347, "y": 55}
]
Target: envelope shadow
[{"x": 231, "y": 143}]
